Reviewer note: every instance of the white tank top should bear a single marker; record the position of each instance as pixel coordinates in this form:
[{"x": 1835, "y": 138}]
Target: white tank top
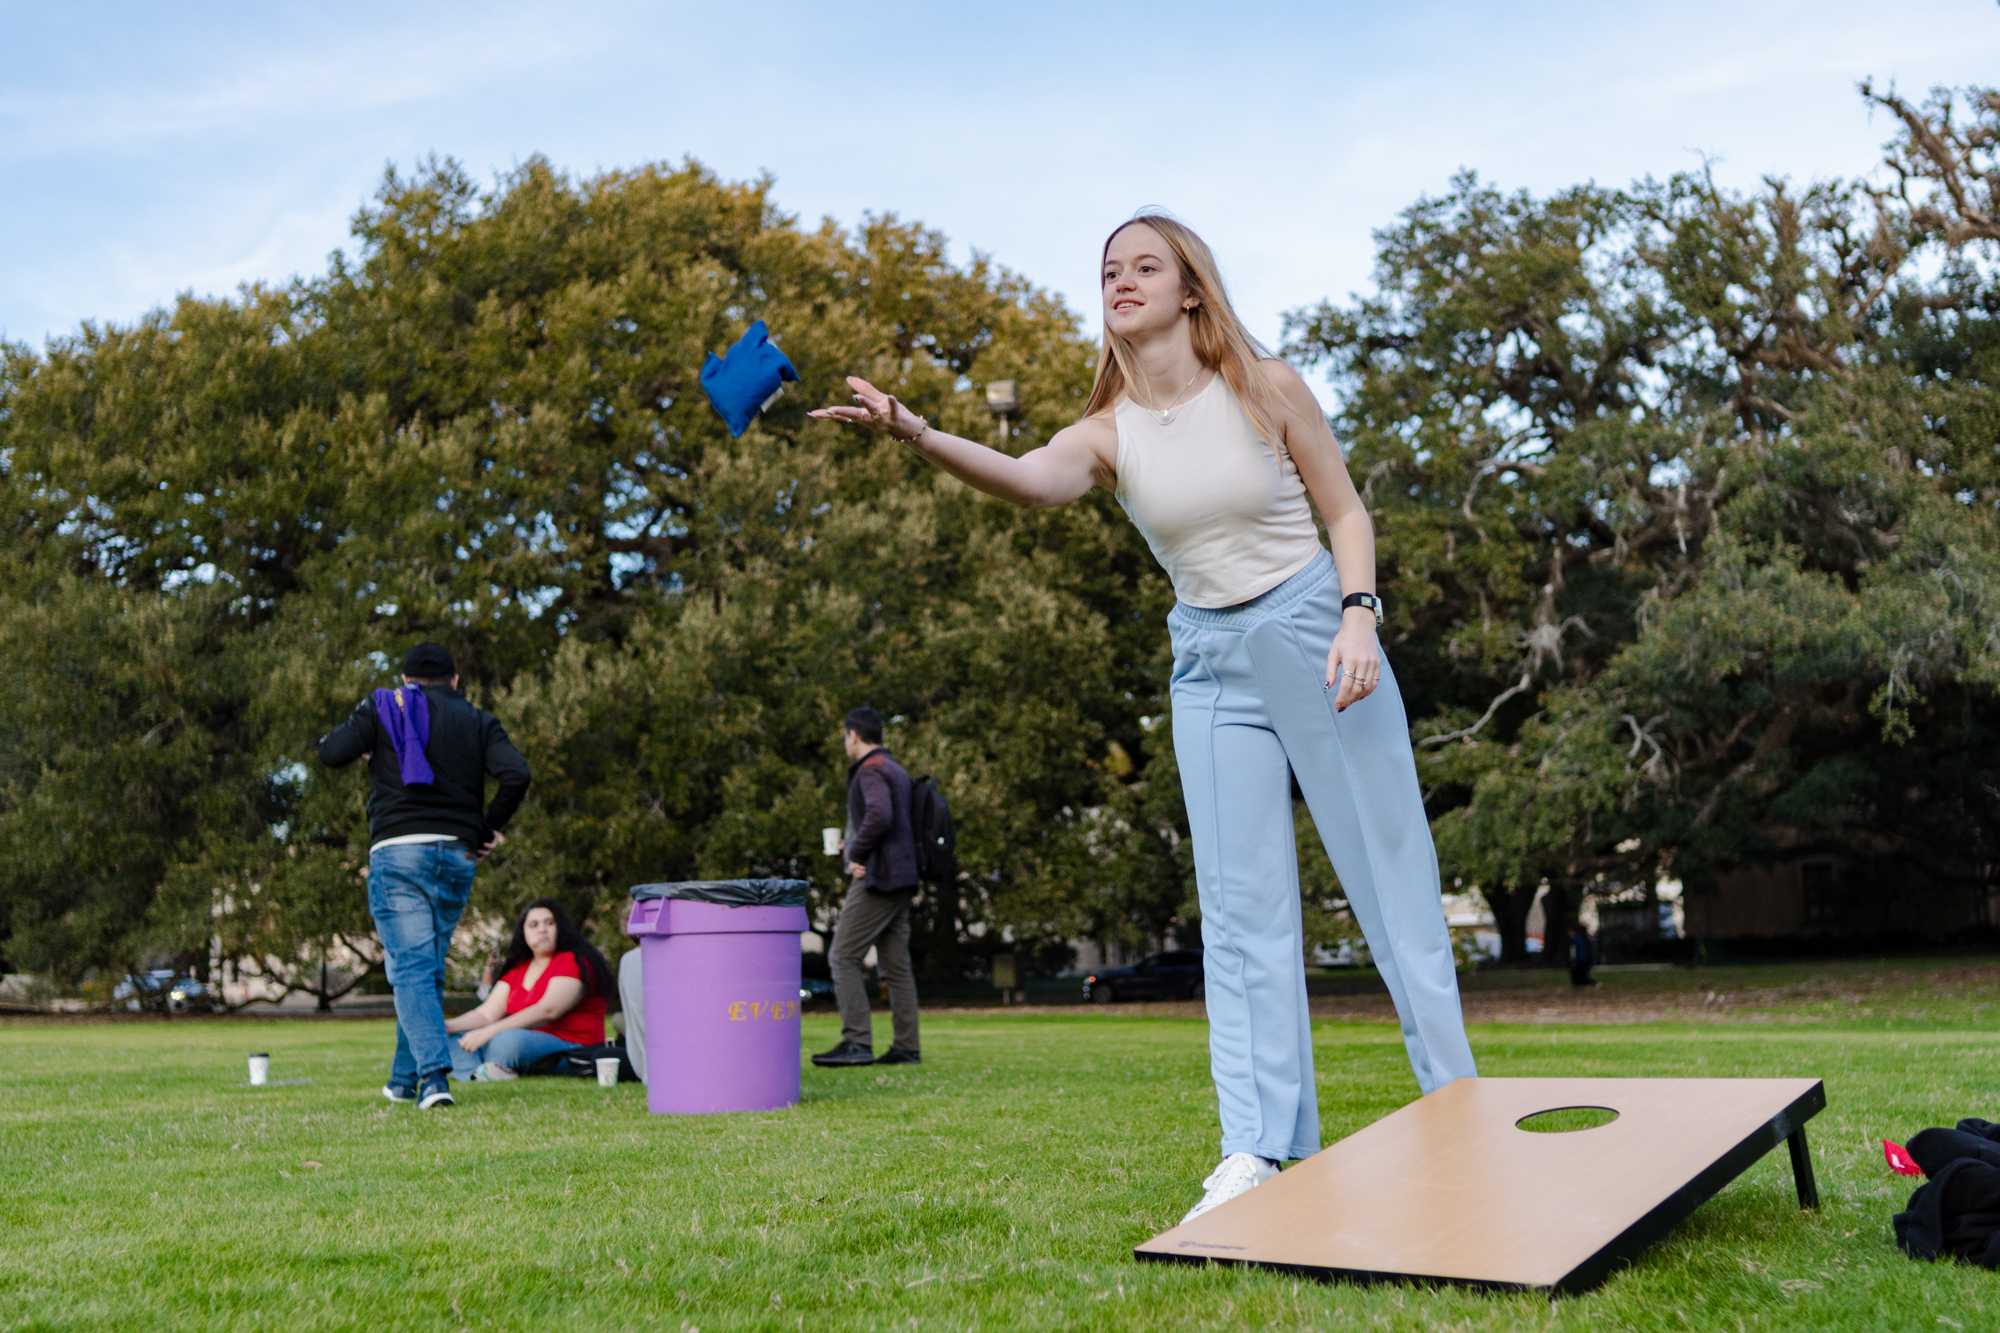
[{"x": 1225, "y": 512}]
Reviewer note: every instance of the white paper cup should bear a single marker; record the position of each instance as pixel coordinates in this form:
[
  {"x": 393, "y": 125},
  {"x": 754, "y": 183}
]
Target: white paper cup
[
  {"x": 260, "y": 1068},
  {"x": 607, "y": 1072},
  {"x": 829, "y": 841}
]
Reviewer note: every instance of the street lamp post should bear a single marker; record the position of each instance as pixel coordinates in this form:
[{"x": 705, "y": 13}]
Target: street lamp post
[{"x": 1003, "y": 401}]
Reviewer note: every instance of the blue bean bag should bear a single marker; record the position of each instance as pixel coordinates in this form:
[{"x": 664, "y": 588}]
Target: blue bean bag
[{"x": 742, "y": 382}]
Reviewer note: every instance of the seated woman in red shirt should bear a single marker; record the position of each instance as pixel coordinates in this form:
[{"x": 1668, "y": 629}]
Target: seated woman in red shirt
[{"x": 550, "y": 997}]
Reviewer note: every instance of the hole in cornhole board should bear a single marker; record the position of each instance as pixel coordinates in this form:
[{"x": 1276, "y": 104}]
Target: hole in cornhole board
[
  {"x": 1566, "y": 1119},
  {"x": 1455, "y": 1187}
]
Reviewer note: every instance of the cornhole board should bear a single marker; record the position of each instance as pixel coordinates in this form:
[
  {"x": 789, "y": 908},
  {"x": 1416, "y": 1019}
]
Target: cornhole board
[{"x": 1450, "y": 1189}]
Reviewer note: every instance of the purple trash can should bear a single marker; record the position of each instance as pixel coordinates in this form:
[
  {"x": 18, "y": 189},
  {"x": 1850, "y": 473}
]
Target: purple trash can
[{"x": 721, "y": 978}]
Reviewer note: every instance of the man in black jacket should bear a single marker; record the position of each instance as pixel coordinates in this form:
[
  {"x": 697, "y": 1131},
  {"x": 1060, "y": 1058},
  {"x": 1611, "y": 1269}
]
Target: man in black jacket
[
  {"x": 429, "y": 754},
  {"x": 880, "y": 853}
]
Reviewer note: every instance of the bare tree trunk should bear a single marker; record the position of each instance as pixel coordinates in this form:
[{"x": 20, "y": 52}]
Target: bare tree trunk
[{"x": 1558, "y": 913}]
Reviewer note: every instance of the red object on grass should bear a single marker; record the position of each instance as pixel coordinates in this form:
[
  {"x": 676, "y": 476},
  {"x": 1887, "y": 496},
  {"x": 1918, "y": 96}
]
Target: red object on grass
[{"x": 1899, "y": 1160}]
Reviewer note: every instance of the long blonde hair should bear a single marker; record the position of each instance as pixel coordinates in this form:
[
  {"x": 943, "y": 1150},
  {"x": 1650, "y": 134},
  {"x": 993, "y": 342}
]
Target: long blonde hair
[{"x": 1221, "y": 343}]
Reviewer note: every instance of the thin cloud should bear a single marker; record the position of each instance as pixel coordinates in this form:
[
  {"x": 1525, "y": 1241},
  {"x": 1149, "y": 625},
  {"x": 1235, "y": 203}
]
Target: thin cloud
[{"x": 388, "y": 70}]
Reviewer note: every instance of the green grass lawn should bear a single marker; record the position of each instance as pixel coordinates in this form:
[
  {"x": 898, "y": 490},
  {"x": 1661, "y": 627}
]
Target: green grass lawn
[{"x": 1002, "y": 1184}]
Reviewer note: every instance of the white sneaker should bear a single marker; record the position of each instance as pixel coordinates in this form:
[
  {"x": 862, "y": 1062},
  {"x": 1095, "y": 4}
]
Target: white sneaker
[
  {"x": 1239, "y": 1173},
  {"x": 489, "y": 1072}
]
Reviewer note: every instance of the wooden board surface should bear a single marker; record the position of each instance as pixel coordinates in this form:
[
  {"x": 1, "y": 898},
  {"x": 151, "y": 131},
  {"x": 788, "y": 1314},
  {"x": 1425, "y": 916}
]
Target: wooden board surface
[{"x": 1448, "y": 1188}]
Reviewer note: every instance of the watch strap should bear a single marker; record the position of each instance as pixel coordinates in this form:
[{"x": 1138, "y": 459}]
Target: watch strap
[{"x": 1367, "y": 599}]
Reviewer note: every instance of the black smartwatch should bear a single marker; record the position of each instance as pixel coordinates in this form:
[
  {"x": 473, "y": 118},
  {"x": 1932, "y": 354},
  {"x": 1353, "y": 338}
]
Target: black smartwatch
[{"x": 1367, "y": 599}]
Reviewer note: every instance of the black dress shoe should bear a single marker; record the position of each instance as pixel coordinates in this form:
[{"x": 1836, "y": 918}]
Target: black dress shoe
[
  {"x": 893, "y": 1056},
  {"x": 847, "y": 1053}
]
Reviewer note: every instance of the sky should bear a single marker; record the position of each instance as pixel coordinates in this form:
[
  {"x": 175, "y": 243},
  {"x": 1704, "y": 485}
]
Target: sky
[{"x": 149, "y": 150}]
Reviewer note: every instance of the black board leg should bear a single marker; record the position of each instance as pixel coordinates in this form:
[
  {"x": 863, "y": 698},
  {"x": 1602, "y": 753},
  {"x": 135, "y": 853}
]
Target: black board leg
[{"x": 1802, "y": 1172}]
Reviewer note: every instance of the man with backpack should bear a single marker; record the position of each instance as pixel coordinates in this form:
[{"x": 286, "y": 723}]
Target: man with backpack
[{"x": 880, "y": 854}]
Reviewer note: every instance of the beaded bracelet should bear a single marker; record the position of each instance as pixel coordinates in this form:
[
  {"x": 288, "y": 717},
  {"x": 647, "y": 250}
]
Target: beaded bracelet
[{"x": 922, "y": 424}]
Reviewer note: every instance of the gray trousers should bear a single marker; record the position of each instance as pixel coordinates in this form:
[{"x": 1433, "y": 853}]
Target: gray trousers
[
  {"x": 632, "y": 1002},
  {"x": 883, "y": 921}
]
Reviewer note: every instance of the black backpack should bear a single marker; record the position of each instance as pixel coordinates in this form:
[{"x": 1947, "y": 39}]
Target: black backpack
[
  {"x": 937, "y": 843},
  {"x": 581, "y": 1062}
]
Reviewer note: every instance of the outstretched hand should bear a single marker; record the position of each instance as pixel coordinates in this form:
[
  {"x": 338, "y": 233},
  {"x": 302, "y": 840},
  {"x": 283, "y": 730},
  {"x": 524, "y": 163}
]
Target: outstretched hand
[{"x": 875, "y": 410}]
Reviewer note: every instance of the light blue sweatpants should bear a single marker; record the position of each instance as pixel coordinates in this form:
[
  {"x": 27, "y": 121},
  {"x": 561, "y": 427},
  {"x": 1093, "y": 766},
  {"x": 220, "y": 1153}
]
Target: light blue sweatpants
[{"x": 1251, "y": 711}]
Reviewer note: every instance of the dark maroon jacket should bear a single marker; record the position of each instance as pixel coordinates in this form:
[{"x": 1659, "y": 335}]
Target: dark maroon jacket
[{"x": 881, "y": 835}]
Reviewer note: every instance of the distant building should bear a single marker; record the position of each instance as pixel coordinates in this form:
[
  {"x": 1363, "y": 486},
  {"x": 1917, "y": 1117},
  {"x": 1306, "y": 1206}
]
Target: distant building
[{"x": 1829, "y": 897}]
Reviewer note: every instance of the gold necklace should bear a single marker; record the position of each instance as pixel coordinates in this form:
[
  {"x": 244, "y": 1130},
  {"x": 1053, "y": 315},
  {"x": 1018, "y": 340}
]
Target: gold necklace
[{"x": 1165, "y": 416}]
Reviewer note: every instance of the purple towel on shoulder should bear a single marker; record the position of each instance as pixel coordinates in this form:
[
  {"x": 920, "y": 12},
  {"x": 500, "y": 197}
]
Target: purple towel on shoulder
[{"x": 405, "y": 718}]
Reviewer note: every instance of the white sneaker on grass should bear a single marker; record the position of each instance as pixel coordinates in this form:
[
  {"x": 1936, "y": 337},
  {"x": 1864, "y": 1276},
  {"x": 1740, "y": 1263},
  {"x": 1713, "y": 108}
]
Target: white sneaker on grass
[
  {"x": 492, "y": 1073},
  {"x": 1239, "y": 1173}
]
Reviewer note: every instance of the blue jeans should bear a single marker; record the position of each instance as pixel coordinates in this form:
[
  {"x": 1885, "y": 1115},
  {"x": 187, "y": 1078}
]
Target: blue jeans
[
  {"x": 1251, "y": 711},
  {"x": 514, "y": 1049},
  {"x": 416, "y": 893}
]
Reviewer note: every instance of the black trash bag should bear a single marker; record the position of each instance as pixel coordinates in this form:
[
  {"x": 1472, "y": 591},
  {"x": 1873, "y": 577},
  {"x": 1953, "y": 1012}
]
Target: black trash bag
[
  {"x": 729, "y": 892},
  {"x": 581, "y": 1062}
]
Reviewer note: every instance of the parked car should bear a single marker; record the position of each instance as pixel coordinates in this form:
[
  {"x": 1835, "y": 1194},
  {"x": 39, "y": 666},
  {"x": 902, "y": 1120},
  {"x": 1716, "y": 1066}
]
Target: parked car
[
  {"x": 1341, "y": 953},
  {"x": 1173, "y": 975},
  {"x": 164, "y": 989},
  {"x": 816, "y": 980}
]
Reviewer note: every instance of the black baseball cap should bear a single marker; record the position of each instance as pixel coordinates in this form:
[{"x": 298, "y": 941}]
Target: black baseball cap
[{"x": 430, "y": 661}]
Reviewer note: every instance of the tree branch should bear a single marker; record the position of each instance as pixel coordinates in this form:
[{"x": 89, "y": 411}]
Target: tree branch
[
  {"x": 1774, "y": 739},
  {"x": 1520, "y": 686}
]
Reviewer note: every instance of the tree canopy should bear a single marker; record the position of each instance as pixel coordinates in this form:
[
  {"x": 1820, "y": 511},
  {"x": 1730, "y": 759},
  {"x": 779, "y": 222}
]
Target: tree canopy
[
  {"x": 484, "y": 427},
  {"x": 1688, "y": 499},
  {"x": 1685, "y": 500}
]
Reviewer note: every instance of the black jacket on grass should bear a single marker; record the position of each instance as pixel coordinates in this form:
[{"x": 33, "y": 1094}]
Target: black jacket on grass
[
  {"x": 466, "y": 746},
  {"x": 1957, "y": 1211}
]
